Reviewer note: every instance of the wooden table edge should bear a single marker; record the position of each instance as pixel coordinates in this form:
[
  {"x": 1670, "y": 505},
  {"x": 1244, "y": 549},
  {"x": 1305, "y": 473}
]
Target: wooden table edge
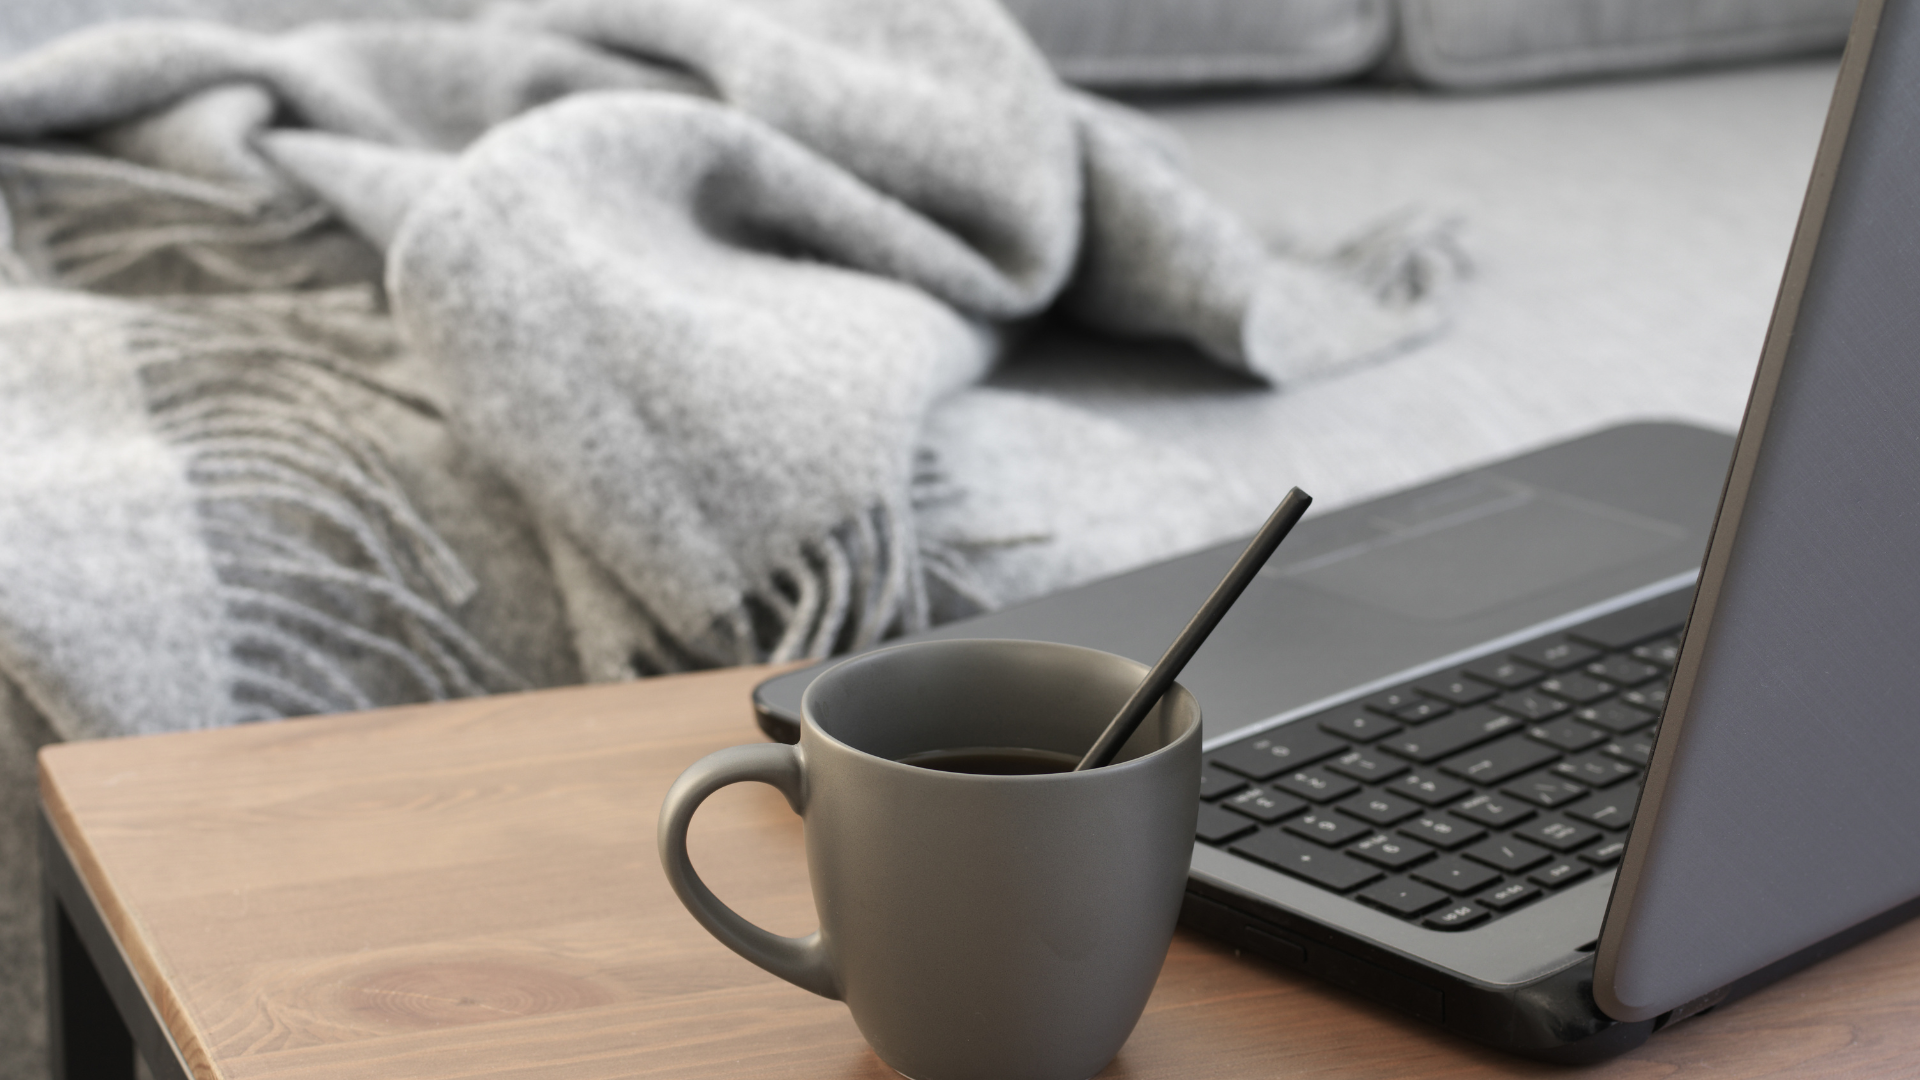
[{"x": 120, "y": 972}]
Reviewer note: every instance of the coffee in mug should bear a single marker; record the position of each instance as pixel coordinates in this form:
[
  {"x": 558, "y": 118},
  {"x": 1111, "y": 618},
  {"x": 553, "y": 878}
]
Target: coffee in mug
[{"x": 993, "y": 760}]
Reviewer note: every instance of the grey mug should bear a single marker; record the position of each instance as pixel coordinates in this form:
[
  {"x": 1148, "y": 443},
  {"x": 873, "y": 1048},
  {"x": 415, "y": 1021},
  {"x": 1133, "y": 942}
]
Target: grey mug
[{"x": 978, "y": 927}]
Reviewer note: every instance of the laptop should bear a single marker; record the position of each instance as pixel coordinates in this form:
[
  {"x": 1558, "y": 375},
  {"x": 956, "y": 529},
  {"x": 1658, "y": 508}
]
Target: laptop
[{"x": 1569, "y": 748}]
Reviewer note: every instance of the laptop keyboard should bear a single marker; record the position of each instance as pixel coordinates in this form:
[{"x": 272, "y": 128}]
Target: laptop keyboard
[{"x": 1465, "y": 795}]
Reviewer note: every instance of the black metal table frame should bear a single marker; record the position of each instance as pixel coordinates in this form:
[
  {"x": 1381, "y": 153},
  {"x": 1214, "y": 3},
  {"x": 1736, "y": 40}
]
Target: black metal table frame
[{"x": 97, "y": 1011}]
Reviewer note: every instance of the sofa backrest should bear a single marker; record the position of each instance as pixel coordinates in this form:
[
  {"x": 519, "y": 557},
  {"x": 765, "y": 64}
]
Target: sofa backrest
[{"x": 1459, "y": 44}]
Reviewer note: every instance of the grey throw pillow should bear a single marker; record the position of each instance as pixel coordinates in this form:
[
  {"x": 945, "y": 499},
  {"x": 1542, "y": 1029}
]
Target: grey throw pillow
[
  {"x": 1117, "y": 44},
  {"x": 1472, "y": 44}
]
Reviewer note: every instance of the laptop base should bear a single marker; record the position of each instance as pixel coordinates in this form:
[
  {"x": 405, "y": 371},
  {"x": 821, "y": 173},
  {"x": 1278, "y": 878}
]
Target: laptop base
[{"x": 1553, "y": 1019}]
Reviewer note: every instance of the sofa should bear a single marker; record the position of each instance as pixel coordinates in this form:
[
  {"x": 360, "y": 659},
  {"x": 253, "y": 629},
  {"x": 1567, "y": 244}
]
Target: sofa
[{"x": 1624, "y": 176}]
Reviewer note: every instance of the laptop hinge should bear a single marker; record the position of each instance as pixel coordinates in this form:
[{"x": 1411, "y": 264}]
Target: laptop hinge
[{"x": 1692, "y": 1008}]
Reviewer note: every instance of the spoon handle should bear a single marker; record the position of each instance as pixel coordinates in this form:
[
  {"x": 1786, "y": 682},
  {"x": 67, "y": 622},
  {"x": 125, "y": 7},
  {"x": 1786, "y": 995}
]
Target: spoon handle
[{"x": 1285, "y": 516}]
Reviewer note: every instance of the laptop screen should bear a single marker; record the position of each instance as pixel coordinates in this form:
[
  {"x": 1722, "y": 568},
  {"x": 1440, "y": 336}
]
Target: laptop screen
[{"x": 1781, "y": 806}]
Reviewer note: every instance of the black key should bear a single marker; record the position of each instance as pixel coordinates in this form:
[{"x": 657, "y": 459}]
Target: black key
[
  {"x": 1616, "y": 716},
  {"x": 1557, "y": 874},
  {"x": 1557, "y": 653},
  {"x": 1567, "y": 733},
  {"x": 1326, "y": 827},
  {"x": 1380, "y": 808},
  {"x": 1357, "y": 724},
  {"x": 1530, "y": 705},
  {"x": 1494, "y": 811},
  {"x": 1506, "y": 854},
  {"x": 1430, "y": 788},
  {"x": 1606, "y": 854},
  {"x": 1367, "y": 765},
  {"x": 1455, "y": 874},
  {"x": 1622, "y": 671},
  {"x": 1663, "y": 652},
  {"x": 1392, "y": 852},
  {"x": 1456, "y": 916},
  {"x": 1509, "y": 896},
  {"x": 1316, "y": 784},
  {"x": 1402, "y": 897},
  {"x": 1577, "y": 688},
  {"x": 1217, "y": 826},
  {"x": 1389, "y": 701},
  {"x": 1558, "y": 833},
  {"x": 1504, "y": 673},
  {"x": 1652, "y": 696},
  {"x": 1544, "y": 789},
  {"x": 1217, "y": 782},
  {"x": 1325, "y": 867},
  {"x": 1442, "y": 830},
  {"x": 1595, "y": 770},
  {"x": 1456, "y": 688},
  {"x": 1263, "y": 805},
  {"x": 1495, "y": 762},
  {"x": 1280, "y": 751},
  {"x": 1419, "y": 712},
  {"x": 1609, "y": 810},
  {"x": 1634, "y": 749},
  {"x": 1452, "y": 735}
]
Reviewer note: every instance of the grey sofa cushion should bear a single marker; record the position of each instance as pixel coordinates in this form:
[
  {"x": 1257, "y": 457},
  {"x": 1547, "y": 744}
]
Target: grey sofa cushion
[
  {"x": 1148, "y": 43},
  {"x": 1467, "y": 44},
  {"x": 1463, "y": 44}
]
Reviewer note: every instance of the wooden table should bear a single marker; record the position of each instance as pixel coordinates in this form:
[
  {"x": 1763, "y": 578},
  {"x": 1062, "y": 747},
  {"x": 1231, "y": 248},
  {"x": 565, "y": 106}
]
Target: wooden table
[{"x": 471, "y": 889}]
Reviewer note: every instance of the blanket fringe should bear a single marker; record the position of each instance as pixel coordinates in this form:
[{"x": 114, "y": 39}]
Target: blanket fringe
[
  {"x": 87, "y": 221},
  {"x": 842, "y": 592},
  {"x": 853, "y": 587},
  {"x": 337, "y": 591}
]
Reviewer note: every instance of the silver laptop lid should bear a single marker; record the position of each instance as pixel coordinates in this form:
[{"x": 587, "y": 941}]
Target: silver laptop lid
[{"x": 1781, "y": 806}]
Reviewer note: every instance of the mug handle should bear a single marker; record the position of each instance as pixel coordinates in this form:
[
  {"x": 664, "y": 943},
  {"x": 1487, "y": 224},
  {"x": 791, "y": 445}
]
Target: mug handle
[{"x": 802, "y": 961}]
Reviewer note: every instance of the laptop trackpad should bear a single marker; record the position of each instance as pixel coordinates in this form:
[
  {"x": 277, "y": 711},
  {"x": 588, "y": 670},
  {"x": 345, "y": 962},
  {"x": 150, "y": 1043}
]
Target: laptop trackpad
[{"x": 1476, "y": 545}]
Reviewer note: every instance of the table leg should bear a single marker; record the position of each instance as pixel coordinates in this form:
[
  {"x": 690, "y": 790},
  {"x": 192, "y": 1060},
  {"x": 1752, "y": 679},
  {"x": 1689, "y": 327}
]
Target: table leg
[
  {"x": 86, "y": 1037},
  {"x": 96, "y": 1011}
]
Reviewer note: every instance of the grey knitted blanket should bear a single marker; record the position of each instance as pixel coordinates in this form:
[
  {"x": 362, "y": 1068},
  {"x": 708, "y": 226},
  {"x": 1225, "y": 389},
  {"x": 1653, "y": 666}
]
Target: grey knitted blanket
[
  {"x": 392, "y": 361},
  {"x": 671, "y": 288}
]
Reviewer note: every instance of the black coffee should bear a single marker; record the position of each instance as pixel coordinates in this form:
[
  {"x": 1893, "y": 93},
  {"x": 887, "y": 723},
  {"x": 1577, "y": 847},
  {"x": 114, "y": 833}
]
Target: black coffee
[{"x": 993, "y": 761}]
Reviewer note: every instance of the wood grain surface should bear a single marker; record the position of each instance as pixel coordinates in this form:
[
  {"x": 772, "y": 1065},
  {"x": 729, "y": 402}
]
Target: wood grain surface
[{"x": 471, "y": 889}]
